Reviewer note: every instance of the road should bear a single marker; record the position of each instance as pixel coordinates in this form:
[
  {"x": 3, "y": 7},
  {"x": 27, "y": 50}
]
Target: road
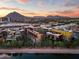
[{"x": 48, "y": 50}]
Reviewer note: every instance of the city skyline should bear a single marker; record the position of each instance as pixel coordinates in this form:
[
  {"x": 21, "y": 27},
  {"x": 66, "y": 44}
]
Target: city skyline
[{"x": 40, "y": 7}]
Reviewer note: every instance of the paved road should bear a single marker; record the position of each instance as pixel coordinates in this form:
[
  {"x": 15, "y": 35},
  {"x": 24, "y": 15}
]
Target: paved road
[{"x": 27, "y": 50}]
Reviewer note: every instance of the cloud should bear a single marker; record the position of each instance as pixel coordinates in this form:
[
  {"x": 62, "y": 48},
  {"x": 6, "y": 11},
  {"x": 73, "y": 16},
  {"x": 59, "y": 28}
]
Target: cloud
[
  {"x": 10, "y": 8},
  {"x": 66, "y": 12},
  {"x": 31, "y": 13},
  {"x": 23, "y": 12},
  {"x": 43, "y": 4},
  {"x": 40, "y": 3},
  {"x": 72, "y": 3},
  {"x": 19, "y": 1},
  {"x": 4, "y": 0},
  {"x": 22, "y": 1},
  {"x": 74, "y": 12}
]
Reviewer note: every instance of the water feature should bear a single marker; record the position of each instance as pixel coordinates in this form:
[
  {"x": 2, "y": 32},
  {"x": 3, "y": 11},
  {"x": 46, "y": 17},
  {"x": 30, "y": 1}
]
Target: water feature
[{"x": 42, "y": 56}]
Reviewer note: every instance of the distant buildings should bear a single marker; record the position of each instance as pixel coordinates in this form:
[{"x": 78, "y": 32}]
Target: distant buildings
[{"x": 51, "y": 25}]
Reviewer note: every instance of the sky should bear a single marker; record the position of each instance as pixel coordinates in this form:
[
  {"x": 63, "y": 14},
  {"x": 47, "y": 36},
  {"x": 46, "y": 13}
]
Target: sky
[{"x": 40, "y": 7}]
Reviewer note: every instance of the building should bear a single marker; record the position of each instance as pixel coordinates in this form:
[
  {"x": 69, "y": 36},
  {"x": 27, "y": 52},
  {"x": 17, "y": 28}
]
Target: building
[
  {"x": 55, "y": 36},
  {"x": 34, "y": 35},
  {"x": 68, "y": 35}
]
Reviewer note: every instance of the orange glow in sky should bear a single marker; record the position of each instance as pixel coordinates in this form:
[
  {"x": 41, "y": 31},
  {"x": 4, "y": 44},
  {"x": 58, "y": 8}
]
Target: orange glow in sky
[{"x": 40, "y": 7}]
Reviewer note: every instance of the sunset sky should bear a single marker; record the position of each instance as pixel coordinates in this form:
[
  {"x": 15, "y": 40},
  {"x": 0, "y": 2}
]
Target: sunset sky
[{"x": 40, "y": 7}]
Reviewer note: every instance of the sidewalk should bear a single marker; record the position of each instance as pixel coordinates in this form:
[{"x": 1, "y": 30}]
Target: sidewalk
[{"x": 48, "y": 50}]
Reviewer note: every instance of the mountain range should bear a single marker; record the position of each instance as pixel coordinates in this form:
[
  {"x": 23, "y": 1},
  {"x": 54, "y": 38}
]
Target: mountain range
[{"x": 17, "y": 17}]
